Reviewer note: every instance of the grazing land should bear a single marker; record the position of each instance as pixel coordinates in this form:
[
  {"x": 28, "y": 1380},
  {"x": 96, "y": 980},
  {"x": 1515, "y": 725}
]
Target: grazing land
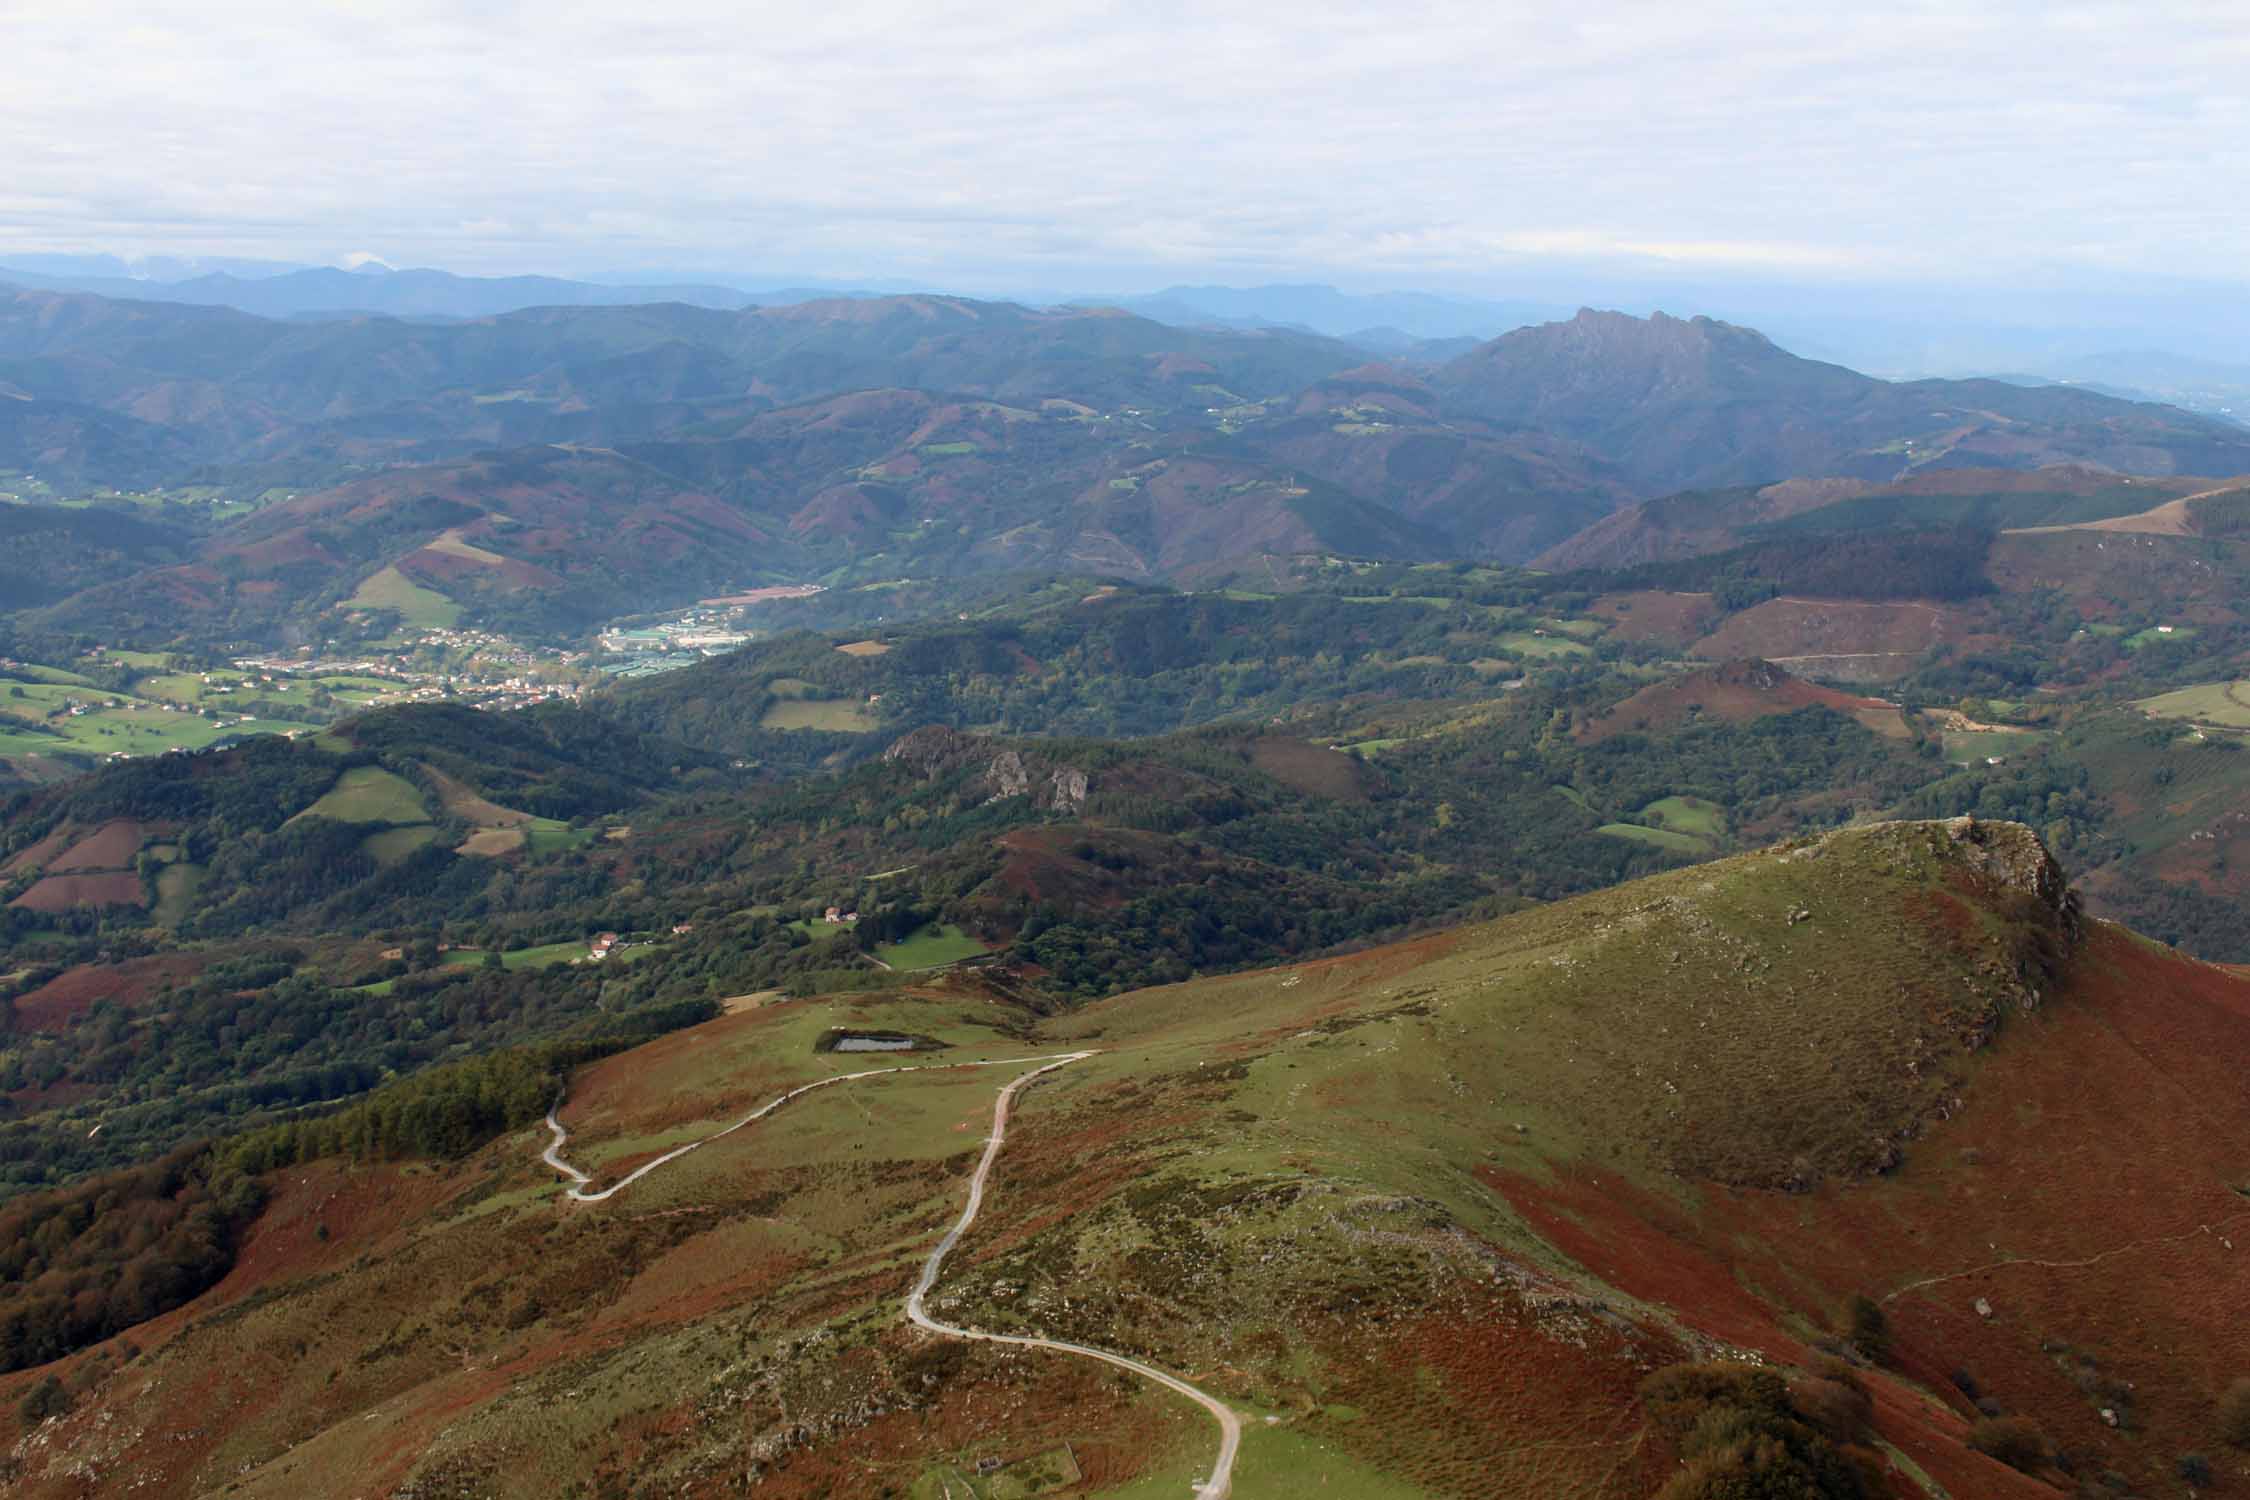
[
  {"x": 834, "y": 715},
  {"x": 930, "y": 947},
  {"x": 2226, "y": 704},
  {"x": 176, "y": 888},
  {"x": 392, "y": 845},
  {"x": 392, "y": 590},
  {"x": 1968, "y": 746},
  {"x": 524, "y": 958},
  {"x": 1689, "y": 815},
  {"x": 370, "y": 794},
  {"x": 1658, "y": 838}
]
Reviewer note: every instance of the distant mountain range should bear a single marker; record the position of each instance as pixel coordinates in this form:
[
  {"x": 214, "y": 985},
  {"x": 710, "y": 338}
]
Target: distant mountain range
[
  {"x": 1689, "y": 403},
  {"x": 1402, "y": 320},
  {"x": 327, "y": 292},
  {"x": 1414, "y": 327},
  {"x": 1411, "y": 316},
  {"x": 557, "y": 464}
]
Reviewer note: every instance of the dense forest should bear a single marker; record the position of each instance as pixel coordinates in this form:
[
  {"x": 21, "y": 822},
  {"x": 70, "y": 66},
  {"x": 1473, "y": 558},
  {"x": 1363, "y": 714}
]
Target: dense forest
[
  {"x": 1940, "y": 563},
  {"x": 92, "y": 1260},
  {"x": 82, "y": 1263}
]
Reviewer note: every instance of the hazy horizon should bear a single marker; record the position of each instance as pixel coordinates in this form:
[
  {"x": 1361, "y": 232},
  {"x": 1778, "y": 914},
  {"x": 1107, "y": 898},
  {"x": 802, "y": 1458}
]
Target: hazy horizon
[
  {"x": 1457, "y": 148},
  {"x": 1919, "y": 185}
]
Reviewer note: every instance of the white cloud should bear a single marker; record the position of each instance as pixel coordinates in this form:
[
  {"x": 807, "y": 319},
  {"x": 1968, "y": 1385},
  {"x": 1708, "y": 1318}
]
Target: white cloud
[{"x": 956, "y": 139}]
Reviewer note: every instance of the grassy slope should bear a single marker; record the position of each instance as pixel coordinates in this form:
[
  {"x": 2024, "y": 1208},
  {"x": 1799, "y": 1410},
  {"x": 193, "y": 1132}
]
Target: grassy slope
[
  {"x": 931, "y": 946},
  {"x": 1658, "y": 838},
  {"x": 390, "y": 589},
  {"x": 370, "y": 794},
  {"x": 2212, "y": 703},
  {"x": 1433, "y": 1208},
  {"x": 35, "y": 719},
  {"x": 1689, "y": 815}
]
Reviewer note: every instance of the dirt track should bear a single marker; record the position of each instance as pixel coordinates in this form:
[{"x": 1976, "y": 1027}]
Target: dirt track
[{"x": 1221, "y": 1483}]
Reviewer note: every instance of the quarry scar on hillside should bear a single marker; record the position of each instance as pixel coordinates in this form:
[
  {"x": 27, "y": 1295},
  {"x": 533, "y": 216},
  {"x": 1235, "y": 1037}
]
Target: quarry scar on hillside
[{"x": 1217, "y": 1487}]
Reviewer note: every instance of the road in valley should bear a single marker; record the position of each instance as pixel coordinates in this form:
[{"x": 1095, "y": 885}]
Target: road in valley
[{"x": 1221, "y": 1483}]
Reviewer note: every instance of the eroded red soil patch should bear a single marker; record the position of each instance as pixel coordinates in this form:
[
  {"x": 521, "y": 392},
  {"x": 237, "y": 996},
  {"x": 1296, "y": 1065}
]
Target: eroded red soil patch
[
  {"x": 106, "y": 848},
  {"x": 62, "y": 892},
  {"x": 1785, "y": 628},
  {"x": 133, "y": 982},
  {"x": 1672, "y": 619},
  {"x": 39, "y": 853},
  {"x": 1734, "y": 693}
]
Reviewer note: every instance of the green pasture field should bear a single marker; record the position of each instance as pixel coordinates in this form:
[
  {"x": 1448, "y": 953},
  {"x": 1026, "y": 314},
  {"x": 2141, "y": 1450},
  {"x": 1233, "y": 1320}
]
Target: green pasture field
[
  {"x": 416, "y": 605},
  {"x": 394, "y": 844},
  {"x": 176, "y": 890},
  {"x": 370, "y": 794},
  {"x": 1436, "y": 601},
  {"x": 519, "y": 958},
  {"x": 1689, "y": 815},
  {"x": 177, "y": 687},
  {"x": 190, "y": 688},
  {"x": 1543, "y": 647},
  {"x": 2223, "y": 703},
  {"x": 37, "y": 673},
  {"x": 836, "y": 715},
  {"x": 523, "y": 958},
  {"x": 1968, "y": 747},
  {"x": 139, "y": 727},
  {"x": 931, "y": 946},
  {"x": 545, "y": 835},
  {"x": 1660, "y": 838},
  {"x": 37, "y": 700}
]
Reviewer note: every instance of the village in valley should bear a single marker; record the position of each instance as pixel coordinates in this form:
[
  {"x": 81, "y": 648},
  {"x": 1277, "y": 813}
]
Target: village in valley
[{"x": 110, "y": 703}]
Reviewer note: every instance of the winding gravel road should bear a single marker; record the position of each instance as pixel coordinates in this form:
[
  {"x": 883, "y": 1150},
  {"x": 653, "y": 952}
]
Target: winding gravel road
[
  {"x": 553, "y": 1157},
  {"x": 1221, "y": 1483}
]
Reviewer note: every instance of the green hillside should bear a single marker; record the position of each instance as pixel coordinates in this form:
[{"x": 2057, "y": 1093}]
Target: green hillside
[{"x": 1409, "y": 1213}]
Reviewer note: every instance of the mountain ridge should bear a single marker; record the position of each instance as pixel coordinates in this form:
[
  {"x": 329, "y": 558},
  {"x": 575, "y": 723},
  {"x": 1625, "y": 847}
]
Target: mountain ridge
[
  {"x": 940, "y": 435},
  {"x": 1340, "y": 1194},
  {"x": 1694, "y": 403}
]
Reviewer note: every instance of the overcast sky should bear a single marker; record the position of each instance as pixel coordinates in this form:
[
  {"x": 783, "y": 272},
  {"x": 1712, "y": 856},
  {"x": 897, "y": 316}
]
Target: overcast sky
[{"x": 1464, "y": 146}]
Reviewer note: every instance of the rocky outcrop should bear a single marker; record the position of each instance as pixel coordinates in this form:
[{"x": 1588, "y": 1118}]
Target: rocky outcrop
[
  {"x": 2015, "y": 880},
  {"x": 2009, "y": 856},
  {"x": 2016, "y": 859},
  {"x": 992, "y": 770}
]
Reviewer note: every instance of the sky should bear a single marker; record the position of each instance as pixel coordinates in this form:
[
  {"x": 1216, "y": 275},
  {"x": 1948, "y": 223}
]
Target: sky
[{"x": 1480, "y": 148}]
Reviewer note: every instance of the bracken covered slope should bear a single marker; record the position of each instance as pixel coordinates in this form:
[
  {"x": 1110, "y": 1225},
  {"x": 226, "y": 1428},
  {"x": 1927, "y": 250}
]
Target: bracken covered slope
[{"x": 1428, "y": 1215}]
